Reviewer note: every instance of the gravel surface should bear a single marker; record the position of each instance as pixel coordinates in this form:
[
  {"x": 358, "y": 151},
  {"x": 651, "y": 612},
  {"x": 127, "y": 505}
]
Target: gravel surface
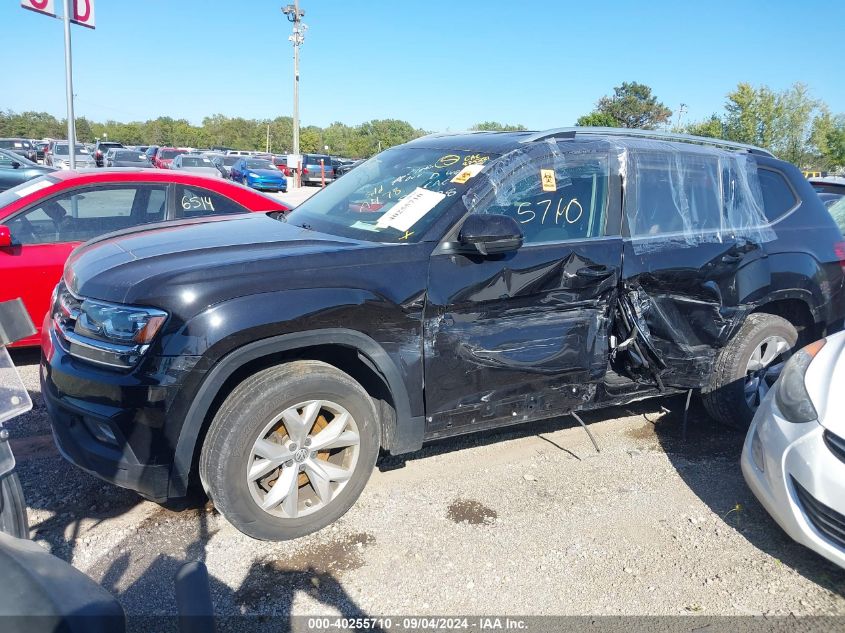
[{"x": 529, "y": 520}]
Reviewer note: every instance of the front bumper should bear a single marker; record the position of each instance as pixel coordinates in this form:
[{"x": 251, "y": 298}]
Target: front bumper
[
  {"x": 795, "y": 454},
  {"x": 266, "y": 183},
  {"x": 112, "y": 424}
]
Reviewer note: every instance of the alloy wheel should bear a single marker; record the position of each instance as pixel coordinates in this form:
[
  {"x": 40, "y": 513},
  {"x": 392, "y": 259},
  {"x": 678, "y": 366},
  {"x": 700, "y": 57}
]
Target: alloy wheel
[
  {"x": 763, "y": 369},
  {"x": 303, "y": 459}
]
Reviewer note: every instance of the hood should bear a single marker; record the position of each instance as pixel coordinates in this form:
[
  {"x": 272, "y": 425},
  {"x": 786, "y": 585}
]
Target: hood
[
  {"x": 825, "y": 373},
  {"x": 213, "y": 258},
  {"x": 266, "y": 173}
]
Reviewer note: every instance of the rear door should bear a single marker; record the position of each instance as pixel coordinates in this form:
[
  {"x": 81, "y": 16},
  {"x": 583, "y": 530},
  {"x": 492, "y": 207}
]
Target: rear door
[
  {"x": 693, "y": 254},
  {"x": 523, "y": 336},
  {"x": 45, "y": 233}
]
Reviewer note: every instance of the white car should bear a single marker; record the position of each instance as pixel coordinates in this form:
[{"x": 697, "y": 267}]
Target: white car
[{"x": 794, "y": 453}]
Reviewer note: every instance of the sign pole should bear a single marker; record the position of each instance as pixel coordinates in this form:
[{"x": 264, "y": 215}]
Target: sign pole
[{"x": 71, "y": 126}]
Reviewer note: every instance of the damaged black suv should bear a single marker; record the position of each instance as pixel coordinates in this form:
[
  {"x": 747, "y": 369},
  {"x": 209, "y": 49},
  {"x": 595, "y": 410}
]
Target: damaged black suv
[{"x": 454, "y": 284}]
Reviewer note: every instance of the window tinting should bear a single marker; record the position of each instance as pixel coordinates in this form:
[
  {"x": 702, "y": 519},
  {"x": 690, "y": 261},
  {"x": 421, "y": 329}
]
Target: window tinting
[
  {"x": 778, "y": 197},
  {"x": 194, "y": 202}
]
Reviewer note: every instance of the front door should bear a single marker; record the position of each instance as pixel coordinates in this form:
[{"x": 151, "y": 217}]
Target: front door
[{"x": 521, "y": 336}]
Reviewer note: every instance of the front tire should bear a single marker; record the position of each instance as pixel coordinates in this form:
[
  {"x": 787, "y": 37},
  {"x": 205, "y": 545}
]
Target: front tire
[
  {"x": 747, "y": 367},
  {"x": 290, "y": 450}
]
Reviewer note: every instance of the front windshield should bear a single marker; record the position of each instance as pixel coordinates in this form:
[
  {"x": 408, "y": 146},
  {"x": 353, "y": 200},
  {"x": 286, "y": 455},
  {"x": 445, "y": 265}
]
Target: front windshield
[
  {"x": 393, "y": 197},
  {"x": 230, "y": 160},
  {"x": 129, "y": 156},
  {"x": 170, "y": 153},
  {"x": 259, "y": 164}
]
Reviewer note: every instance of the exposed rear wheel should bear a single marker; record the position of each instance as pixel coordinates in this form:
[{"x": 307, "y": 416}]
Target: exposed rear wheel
[
  {"x": 290, "y": 450},
  {"x": 747, "y": 368}
]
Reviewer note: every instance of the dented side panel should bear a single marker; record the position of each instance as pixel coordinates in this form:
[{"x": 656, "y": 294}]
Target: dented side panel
[{"x": 517, "y": 337}]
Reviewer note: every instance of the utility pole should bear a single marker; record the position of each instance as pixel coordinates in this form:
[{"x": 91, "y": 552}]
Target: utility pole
[
  {"x": 681, "y": 111},
  {"x": 71, "y": 120},
  {"x": 294, "y": 15},
  {"x": 268, "y": 138}
]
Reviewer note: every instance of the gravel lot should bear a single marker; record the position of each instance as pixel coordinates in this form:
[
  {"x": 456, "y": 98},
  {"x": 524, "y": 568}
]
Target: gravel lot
[{"x": 525, "y": 521}]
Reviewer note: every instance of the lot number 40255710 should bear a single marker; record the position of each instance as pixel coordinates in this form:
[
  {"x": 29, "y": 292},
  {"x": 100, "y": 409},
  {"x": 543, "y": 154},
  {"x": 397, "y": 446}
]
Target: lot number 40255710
[{"x": 203, "y": 203}]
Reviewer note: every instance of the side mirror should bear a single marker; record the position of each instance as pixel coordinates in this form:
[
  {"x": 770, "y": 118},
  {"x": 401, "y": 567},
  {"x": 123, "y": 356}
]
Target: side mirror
[
  {"x": 491, "y": 234},
  {"x": 5, "y": 236},
  {"x": 15, "y": 164}
]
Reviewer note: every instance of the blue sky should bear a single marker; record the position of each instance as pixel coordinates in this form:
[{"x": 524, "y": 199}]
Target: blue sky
[{"x": 439, "y": 64}]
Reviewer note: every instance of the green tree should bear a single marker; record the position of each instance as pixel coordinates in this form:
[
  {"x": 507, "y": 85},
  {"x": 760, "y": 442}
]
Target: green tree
[
  {"x": 632, "y": 105},
  {"x": 711, "y": 127},
  {"x": 495, "y": 126},
  {"x": 597, "y": 119}
]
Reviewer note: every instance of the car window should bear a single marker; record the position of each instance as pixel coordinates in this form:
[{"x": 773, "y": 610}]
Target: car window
[
  {"x": 83, "y": 215},
  {"x": 671, "y": 194},
  {"x": 778, "y": 197},
  {"x": 555, "y": 198},
  {"x": 6, "y": 161},
  {"x": 194, "y": 202}
]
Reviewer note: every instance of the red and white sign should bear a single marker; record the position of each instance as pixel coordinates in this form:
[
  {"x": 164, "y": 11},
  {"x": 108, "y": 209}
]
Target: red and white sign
[
  {"x": 41, "y": 6},
  {"x": 83, "y": 13}
]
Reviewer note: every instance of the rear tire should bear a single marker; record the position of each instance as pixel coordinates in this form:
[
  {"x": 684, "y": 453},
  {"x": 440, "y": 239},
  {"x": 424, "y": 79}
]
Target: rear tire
[
  {"x": 738, "y": 382},
  {"x": 256, "y": 416}
]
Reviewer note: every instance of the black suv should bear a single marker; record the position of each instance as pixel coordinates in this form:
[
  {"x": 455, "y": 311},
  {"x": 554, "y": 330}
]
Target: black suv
[{"x": 454, "y": 284}]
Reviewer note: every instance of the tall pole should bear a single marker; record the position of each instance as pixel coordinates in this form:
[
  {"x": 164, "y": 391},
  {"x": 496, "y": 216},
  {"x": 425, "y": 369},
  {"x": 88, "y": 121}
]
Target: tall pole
[
  {"x": 295, "y": 16},
  {"x": 71, "y": 121}
]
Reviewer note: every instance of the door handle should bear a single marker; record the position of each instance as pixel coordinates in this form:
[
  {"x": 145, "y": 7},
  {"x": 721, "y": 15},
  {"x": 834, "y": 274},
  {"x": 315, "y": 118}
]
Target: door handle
[{"x": 594, "y": 272}]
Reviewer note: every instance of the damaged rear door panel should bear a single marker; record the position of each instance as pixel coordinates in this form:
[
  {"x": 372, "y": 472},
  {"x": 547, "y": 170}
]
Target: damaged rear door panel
[
  {"x": 694, "y": 258},
  {"x": 523, "y": 336}
]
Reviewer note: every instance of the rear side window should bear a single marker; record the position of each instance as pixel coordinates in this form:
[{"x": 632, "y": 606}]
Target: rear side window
[
  {"x": 674, "y": 192},
  {"x": 195, "y": 202},
  {"x": 778, "y": 197}
]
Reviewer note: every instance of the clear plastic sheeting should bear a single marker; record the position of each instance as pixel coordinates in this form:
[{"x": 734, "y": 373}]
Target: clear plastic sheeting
[
  {"x": 14, "y": 398},
  {"x": 688, "y": 195}
]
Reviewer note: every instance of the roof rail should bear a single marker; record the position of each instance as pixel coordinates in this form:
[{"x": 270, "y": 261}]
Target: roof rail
[{"x": 571, "y": 132}]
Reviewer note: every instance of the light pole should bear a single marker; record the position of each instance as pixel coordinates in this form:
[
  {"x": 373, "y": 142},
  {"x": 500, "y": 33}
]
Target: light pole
[
  {"x": 295, "y": 15},
  {"x": 71, "y": 120}
]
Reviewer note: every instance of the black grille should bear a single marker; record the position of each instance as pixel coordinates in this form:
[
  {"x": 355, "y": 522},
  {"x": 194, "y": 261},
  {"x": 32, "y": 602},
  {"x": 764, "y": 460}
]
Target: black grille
[
  {"x": 835, "y": 444},
  {"x": 826, "y": 520}
]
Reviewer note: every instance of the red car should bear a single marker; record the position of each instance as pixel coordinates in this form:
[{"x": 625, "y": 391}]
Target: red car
[
  {"x": 43, "y": 220},
  {"x": 164, "y": 156}
]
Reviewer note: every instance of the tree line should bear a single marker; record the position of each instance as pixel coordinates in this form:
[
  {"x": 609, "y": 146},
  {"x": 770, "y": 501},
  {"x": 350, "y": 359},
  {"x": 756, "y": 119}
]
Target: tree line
[
  {"x": 359, "y": 141},
  {"x": 790, "y": 123}
]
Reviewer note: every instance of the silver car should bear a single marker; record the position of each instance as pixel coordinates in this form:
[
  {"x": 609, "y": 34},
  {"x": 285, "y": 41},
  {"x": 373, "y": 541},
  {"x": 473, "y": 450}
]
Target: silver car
[
  {"x": 196, "y": 163},
  {"x": 794, "y": 453},
  {"x": 59, "y": 156}
]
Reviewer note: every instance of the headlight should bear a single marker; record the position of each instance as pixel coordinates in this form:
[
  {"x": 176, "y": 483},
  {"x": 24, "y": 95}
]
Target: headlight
[
  {"x": 105, "y": 333},
  {"x": 252, "y": 175},
  {"x": 791, "y": 396},
  {"x": 118, "y": 323}
]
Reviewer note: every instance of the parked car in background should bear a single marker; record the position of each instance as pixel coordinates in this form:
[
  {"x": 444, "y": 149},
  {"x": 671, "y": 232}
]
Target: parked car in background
[
  {"x": 196, "y": 163},
  {"x": 829, "y": 184},
  {"x": 238, "y": 152},
  {"x": 346, "y": 168},
  {"x": 794, "y": 454},
  {"x": 20, "y": 146},
  {"x": 150, "y": 152},
  {"x": 40, "y": 146},
  {"x": 164, "y": 156},
  {"x": 224, "y": 164},
  {"x": 100, "y": 149},
  {"x": 42, "y": 221},
  {"x": 59, "y": 156},
  {"x": 315, "y": 172},
  {"x": 258, "y": 174},
  {"x": 15, "y": 169},
  {"x": 454, "y": 284},
  {"x": 281, "y": 163},
  {"x": 127, "y": 158}
]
